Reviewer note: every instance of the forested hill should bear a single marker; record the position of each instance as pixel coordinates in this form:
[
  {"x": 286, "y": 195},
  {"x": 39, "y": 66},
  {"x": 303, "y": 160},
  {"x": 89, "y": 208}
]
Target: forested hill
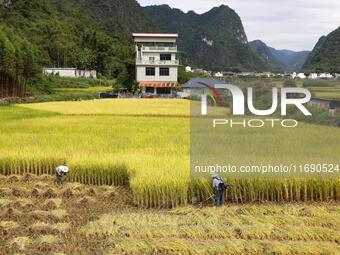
[
  {"x": 325, "y": 56},
  {"x": 214, "y": 40},
  {"x": 281, "y": 60},
  {"x": 90, "y": 34},
  {"x": 266, "y": 54},
  {"x": 76, "y": 33}
]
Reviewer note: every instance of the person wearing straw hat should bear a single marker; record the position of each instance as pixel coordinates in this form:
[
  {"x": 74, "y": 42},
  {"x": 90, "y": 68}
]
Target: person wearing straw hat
[
  {"x": 60, "y": 171},
  {"x": 219, "y": 188}
]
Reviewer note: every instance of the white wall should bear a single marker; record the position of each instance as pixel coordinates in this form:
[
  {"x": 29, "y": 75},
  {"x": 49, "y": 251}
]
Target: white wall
[
  {"x": 173, "y": 77},
  {"x": 61, "y": 72},
  {"x": 155, "y": 40},
  {"x": 173, "y": 70},
  {"x": 72, "y": 73}
]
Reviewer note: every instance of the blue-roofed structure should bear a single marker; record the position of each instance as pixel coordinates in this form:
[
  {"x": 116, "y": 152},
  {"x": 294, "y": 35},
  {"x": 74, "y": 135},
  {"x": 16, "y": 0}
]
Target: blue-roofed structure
[
  {"x": 196, "y": 83},
  {"x": 197, "y": 86}
]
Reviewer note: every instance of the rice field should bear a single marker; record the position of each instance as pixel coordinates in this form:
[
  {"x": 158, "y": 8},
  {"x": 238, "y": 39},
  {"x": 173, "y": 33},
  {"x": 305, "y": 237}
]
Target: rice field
[
  {"x": 327, "y": 93},
  {"x": 232, "y": 230},
  {"x": 38, "y": 218},
  {"x": 332, "y": 91},
  {"x": 145, "y": 144}
]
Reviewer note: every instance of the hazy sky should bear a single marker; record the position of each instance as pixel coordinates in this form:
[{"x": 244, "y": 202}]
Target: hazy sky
[{"x": 283, "y": 24}]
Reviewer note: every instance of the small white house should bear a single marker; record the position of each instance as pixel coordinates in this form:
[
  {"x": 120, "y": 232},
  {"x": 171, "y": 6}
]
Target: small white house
[
  {"x": 188, "y": 69},
  {"x": 269, "y": 74},
  {"x": 301, "y": 76},
  {"x": 70, "y": 72},
  {"x": 62, "y": 72},
  {"x": 218, "y": 74},
  {"x": 326, "y": 76},
  {"x": 313, "y": 76}
]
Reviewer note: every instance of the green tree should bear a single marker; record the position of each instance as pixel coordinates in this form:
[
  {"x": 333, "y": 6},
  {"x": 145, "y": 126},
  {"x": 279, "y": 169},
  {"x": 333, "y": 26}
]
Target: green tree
[
  {"x": 7, "y": 55},
  {"x": 83, "y": 58},
  {"x": 30, "y": 66}
]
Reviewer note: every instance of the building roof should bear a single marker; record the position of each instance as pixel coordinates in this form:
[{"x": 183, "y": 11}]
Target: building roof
[
  {"x": 197, "y": 83},
  {"x": 159, "y": 84},
  {"x": 59, "y": 68},
  {"x": 155, "y": 35},
  {"x": 324, "y": 100}
]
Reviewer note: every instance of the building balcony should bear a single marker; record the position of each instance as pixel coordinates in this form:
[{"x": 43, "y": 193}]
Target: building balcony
[
  {"x": 148, "y": 62},
  {"x": 159, "y": 48}
]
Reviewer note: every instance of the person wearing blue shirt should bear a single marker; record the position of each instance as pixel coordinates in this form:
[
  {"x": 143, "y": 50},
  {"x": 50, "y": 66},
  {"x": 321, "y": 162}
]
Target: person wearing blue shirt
[{"x": 218, "y": 185}]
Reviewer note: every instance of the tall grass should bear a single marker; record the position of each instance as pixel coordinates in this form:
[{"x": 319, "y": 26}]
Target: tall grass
[
  {"x": 277, "y": 190},
  {"x": 145, "y": 143},
  {"x": 93, "y": 173}
]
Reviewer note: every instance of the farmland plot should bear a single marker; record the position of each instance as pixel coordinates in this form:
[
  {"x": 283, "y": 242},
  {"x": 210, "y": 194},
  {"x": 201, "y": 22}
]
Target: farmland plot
[
  {"x": 145, "y": 143},
  {"x": 37, "y": 218}
]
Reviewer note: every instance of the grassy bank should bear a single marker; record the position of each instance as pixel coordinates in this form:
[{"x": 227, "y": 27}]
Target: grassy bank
[
  {"x": 55, "y": 88},
  {"x": 71, "y": 94}
]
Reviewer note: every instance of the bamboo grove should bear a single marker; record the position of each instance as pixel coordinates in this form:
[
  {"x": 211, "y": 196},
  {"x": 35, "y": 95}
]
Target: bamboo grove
[{"x": 17, "y": 63}]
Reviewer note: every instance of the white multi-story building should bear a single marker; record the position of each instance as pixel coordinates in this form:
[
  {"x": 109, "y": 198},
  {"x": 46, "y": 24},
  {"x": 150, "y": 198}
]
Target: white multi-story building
[{"x": 156, "y": 63}]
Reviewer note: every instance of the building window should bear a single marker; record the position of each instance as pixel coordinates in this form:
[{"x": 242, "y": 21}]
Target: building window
[
  {"x": 150, "y": 71},
  {"x": 164, "y": 71},
  {"x": 165, "y": 57},
  {"x": 150, "y": 90},
  {"x": 164, "y": 91}
]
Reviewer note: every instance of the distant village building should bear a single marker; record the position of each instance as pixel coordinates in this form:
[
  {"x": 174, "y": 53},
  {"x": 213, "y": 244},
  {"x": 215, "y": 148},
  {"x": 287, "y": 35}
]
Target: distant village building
[
  {"x": 313, "y": 76},
  {"x": 326, "y": 76},
  {"x": 156, "y": 63},
  {"x": 198, "y": 71},
  {"x": 218, "y": 74},
  {"x": 269, "y": 74},
  {"x": 188, "y": 69},
  {"x": 333, "y": 106},
  {"x": 62, "y": 72},
  {"x": 301, "y": 76},
  {"x": 70, "y": 72},
  {"x": 247, "y": 74},
  {"x": 279, "y": 75},
  {"x": 229, "y": 74}
]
